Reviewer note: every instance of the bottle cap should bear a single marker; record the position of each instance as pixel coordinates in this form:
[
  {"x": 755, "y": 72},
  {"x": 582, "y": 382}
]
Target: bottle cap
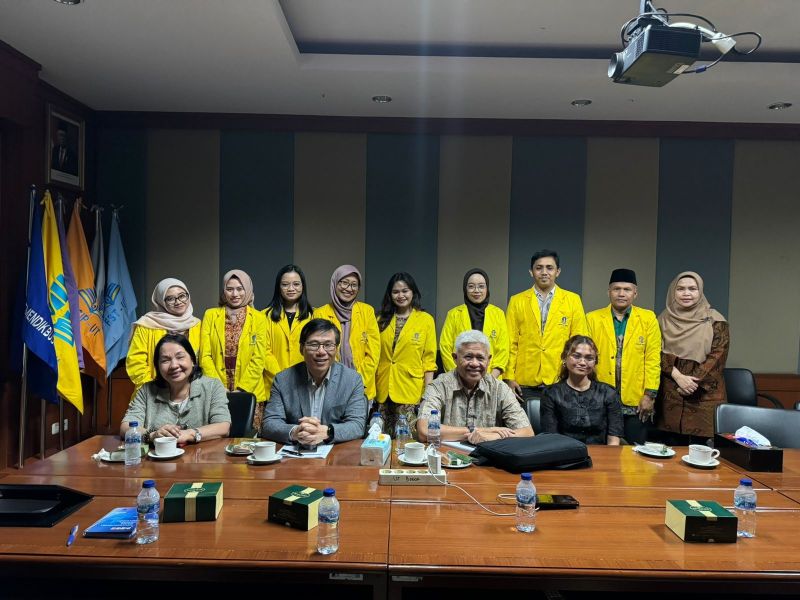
[
  {"x": 525, "y": 476},
  {"x": 329, "y": 492},
  {"x": 133, "y": 424},
  {"x": 746, "y": 481},
  {"x": 434, "y": 412},
  {"x": 148, "y": 483},
  {"x": 377, "y": 413}
]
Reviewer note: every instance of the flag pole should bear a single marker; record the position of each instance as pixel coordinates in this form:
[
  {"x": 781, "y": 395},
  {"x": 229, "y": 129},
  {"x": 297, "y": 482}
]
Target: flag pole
[
  {"x": 23, "y": 401},
  {"x": 60, "y": 217}
]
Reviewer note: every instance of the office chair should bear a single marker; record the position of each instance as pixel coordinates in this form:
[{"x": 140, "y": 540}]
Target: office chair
[
  {"x": 242, "y": 406},
  {"x": 741, "y": 388},
  {"x": 797, "y": 405},
  {"x": 532, "y": 410},
  {"x": 781, "y": 427}
]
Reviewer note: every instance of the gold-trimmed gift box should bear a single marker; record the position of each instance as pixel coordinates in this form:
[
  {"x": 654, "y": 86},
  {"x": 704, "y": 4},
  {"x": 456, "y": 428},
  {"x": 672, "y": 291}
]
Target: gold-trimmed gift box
[{"x": 193, "y": 501}]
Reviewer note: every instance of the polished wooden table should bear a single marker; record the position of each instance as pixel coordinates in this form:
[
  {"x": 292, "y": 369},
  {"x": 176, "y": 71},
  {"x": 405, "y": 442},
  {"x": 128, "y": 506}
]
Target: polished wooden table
[{"x": 616, "y": 539}]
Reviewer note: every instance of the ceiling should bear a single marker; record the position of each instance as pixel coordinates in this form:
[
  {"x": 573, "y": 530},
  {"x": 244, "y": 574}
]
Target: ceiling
[{"x": 521, "y": 59}]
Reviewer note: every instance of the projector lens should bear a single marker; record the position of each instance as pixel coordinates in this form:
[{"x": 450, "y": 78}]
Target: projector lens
[{"x": 615, "y": 66}]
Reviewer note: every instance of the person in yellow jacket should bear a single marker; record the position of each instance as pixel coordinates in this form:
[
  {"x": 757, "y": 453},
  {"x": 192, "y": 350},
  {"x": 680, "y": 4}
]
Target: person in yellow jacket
[
  {"x": 629, "y": 353},
  {"x": 173, "y": 314},
  {"x": 540, "y": 321},
  {"x": 286, "y": 314},
  {"x": 476, "y": 313},
  {"x": 408, "y": 351},
  {"x": 360, "y": 345},
  {"x": 233, "y": 338}
]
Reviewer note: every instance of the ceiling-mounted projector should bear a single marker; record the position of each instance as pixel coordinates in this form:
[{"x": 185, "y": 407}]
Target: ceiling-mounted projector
[{"x": 656, "y": 51}]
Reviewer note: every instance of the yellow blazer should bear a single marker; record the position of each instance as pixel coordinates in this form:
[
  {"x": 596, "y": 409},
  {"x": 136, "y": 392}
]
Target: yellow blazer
[
  {"x": 139, "y": 362},
  {"x": 494, "y": 326},
  {"x": 282, "y": 346},
  {"x": 641, "y": 351},
  {"x": 250, "y": 357},
  {"x": 401, "y": 370},
  {"x": 534, "y": 356},
  {"x": 365, "y": 341}
]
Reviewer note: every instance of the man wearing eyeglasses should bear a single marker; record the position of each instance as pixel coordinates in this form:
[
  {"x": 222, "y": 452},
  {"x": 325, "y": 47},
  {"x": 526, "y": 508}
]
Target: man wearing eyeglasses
[{"x": 317, "y": 401}]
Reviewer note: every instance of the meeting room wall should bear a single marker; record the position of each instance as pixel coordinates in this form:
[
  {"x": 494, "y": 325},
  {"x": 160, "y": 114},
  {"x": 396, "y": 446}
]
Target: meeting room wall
[{"x": 198, "y": 202}]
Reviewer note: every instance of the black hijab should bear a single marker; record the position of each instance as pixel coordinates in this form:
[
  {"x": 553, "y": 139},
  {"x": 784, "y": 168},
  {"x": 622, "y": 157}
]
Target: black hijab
[{"x": 476, "y": 311}]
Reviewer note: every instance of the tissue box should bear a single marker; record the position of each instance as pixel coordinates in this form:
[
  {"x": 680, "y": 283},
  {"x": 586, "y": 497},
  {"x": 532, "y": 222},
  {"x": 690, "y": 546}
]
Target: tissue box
[
  {"x": 295, "y": 506},
  {"x": 700, "y": 521},
  {"x": 197, "y": 501},
  {"x": 375, "y": 451},
  {"x": 769, "y": 458}
]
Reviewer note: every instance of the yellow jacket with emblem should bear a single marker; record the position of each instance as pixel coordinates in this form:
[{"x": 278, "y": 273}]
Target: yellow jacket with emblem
[
  {"x": 494, "y": 326},
  {"x": 139, "y": 362},
  {"x": 641, "y": 351},
  {"x": 250, "y": 356},
  {"x": 282, "y": 347},
  {"x": 402, "y": 366},
  {"x": 534, "y": 357},
  {"x": 365, "y": 341}
]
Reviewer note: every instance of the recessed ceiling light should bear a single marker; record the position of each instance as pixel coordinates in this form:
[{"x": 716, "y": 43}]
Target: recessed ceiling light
[
  {"x": 69, "y": 2},
  {"x": 581, "y": 102},
  {"x": 382, "y": 99},
  {"x": 779, "y": 105}
]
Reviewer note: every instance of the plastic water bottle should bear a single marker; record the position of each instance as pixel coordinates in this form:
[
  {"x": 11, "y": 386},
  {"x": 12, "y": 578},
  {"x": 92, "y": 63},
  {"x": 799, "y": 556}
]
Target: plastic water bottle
[
  {"x": 402, "y": 434},
  {"x": 133, "y": 445},
  {"x": 148, "y": 503},
  {"x": 434, "y": 430},
  {"x": 744, "y": 505},
  {"x": 526, "y": 504},
  {"x": 375, "y": 419},
  {"x": 328, "y": 528}
]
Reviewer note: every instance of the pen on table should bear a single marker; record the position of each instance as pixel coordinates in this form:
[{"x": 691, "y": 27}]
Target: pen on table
[
  {"x": 292, "y": 452},
  {"x": 72, "y": 533}
]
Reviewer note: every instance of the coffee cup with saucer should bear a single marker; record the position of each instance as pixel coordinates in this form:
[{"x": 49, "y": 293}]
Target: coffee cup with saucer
[
  {"x": 701, "y": 456},
  {"x": 263, "y": 454},
  {"x": 413, "y": 454}
]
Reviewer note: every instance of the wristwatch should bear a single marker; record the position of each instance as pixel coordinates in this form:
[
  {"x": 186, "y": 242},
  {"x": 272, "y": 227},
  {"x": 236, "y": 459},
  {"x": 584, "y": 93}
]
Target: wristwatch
[
  {"x": 471, "y": 428},
  {"x": 197, "y": 435},
  {"x": 329, "y": 439}
]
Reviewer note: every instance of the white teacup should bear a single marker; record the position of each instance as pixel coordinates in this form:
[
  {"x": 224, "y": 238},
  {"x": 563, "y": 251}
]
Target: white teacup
[
  {"x": 415, "y": 452},
  {"x": 165, "y": 446},
  {"x": 702, "y": 454},
  {"x": 264, "y": 451}
]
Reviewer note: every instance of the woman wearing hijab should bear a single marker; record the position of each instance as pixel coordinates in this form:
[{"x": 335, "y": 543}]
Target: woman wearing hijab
[
  {"x": 286, "y": 314},
  {"x": 361, "y": 344},
  {"x": 172, "y": 314},
  {"x": 695, "y": 348},
  {"x": 233, "y": 338},
  {"x": 408, "y": 351},
  {"x": 476, "y": 313}
]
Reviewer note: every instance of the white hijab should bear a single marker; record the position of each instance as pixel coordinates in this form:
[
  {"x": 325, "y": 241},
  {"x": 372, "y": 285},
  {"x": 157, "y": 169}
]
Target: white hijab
[{"x": 161, "y": 318}]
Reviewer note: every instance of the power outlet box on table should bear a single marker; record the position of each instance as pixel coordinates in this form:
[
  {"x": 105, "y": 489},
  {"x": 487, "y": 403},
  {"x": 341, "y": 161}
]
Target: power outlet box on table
[{"x": 410, "y": 477}]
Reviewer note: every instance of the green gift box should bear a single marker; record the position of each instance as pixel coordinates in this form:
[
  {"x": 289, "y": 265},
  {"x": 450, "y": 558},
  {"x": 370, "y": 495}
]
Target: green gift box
[
  {"x": 701, "y": 521},
  {"x": 295, "y": 506},
  {"x": 194, "y": 501}
]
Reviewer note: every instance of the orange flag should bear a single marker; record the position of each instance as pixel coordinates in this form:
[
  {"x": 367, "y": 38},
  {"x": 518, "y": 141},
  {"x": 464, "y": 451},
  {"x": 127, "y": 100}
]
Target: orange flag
[{"x": 91, "y": 321}]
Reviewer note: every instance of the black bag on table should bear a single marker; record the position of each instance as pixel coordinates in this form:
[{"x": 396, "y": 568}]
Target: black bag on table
[{"x": 543, "y": 451}]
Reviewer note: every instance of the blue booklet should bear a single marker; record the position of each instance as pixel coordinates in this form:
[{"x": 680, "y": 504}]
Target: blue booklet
[{"x": 118, "y": 524}]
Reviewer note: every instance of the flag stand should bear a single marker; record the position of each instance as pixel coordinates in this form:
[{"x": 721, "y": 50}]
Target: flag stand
[{"x": 24, "y": 387}]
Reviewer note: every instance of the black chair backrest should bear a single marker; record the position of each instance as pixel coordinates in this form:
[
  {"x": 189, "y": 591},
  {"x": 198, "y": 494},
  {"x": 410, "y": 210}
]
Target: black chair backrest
[
  {"x": 740, "y": 386},
  {"x": 781, "y": 427},
  {"x": 532, "y": 409},
  {"x": 242, "y": 406}
]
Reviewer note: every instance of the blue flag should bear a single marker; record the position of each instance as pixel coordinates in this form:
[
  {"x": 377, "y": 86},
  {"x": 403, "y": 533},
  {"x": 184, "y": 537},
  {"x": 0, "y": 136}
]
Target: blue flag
[
  {"x": 37, "y": 327},
  {"x": 120, "y": 300}
]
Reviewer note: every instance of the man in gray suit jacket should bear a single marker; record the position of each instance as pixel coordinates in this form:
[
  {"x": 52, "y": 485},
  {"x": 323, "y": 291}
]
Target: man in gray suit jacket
[{"x": 318, "y": 401}]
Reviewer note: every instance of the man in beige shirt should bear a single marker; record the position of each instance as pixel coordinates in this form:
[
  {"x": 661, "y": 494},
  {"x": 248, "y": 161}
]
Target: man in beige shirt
[{"x": 473, "y": 406}]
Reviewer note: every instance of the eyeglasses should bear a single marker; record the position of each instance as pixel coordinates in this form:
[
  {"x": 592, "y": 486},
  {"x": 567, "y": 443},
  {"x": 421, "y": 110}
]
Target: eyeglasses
[
  {"x": 481, "y": 287},
  {"x": 346, "y": 285},
  {"x": 314, "y": 346},
  {"x": 179, "y": 299},
  {"x": 588, "y": 358},
  {"x": 292, "y": 284}
]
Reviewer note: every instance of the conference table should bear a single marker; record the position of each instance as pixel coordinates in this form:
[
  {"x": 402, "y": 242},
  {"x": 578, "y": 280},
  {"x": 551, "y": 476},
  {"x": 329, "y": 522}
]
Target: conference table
[{"x": 409, "y": 541}]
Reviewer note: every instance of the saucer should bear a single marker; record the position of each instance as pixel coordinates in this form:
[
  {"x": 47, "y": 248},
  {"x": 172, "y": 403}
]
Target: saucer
[
  {"x": 709, "y": 465},
  {"x": 462, "y": 465},
  {"x": 155, "y": 456},
  {"x": 232, "y": 450},
  {"x": 403, "y": 460},
  {"x": 253, "y": 461},
  {"x": 646, "y": 451}
]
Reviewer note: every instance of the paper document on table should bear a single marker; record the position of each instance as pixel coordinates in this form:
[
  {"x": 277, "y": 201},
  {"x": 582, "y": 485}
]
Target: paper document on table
[
  {"x": 463, "y": 446},
  {"x": 291, "y": 451}
]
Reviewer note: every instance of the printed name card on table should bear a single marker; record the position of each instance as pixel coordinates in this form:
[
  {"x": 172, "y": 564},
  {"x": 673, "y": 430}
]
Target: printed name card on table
[
  {"x": 295, "y": 506},
  {"x": 700, "y": 521},
  {"x": 193, "y": 501}
]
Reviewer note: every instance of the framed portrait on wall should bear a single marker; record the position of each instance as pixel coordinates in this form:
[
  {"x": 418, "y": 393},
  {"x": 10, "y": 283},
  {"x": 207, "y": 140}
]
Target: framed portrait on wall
[{"x": 65, "y": 148}]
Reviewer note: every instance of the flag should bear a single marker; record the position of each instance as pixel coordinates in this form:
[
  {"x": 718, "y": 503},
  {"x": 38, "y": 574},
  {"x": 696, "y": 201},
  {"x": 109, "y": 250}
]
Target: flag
[
  {"x": 99, "y": 261},
  {"x": 37, "y": 326},
  {"x": 72, "y": 289},
  {"x": 120, "y": 300},
  {"x": 91, "y": 321},
  {"x": 69, "y": 375}
]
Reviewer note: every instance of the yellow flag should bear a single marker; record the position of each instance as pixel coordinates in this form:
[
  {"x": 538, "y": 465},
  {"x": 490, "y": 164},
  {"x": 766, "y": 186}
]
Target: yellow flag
[
  {"x": 69, "y": 375},
  {"x": 91, "y": 322}
]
